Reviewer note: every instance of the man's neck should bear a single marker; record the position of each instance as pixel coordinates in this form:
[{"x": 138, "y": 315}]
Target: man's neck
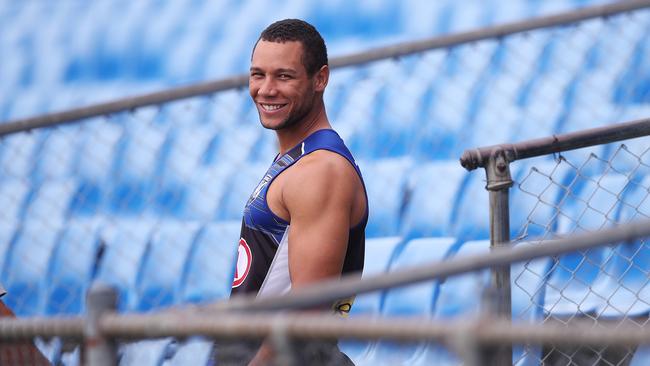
[{"x": 290, "y": 137}]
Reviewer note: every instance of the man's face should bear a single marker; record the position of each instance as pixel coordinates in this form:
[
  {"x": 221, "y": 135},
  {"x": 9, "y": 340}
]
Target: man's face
[{"x": 282, "y": 91}]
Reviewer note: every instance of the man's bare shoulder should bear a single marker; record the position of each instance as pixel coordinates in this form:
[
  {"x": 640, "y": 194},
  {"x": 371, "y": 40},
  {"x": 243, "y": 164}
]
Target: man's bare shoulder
[
  {"x": 322, "y": 175},
  {"x": 324, "y": 163}
]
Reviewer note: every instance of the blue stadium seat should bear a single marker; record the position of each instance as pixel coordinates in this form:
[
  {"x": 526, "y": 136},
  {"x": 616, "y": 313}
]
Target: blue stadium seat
[
  {"x": 641, "y": 356},
  {"x": 620, "y": 290},
  {"x": 527, "y": 281},
  {"x": 14, "y": 194},
  {"x": 8, "y": 229},
  {"x": 536, "y": 196},
  {"x": 52, "y": 200},
  {"x": 385, "y": 181},
  {"x": 471, "y": 215},
  {"x": 183, "y": 159},
  {"x": 126, "y": 242},
  {"x": 57, "y": 156},
  {"x": 241, "y": 185},
  {"x": 595, "y": 208},
  {"x": 409, "y": 301},
  {"x": 17, "y": 154},
  {"x": 204, "y": 193},
  {"x": 194, "y": 351},
  {"x": 136, "y": 168},
  {"x": 72, "y": 267},
  {"x": 159, "y": 279},
  {"x": 145, "y": 353},
  {"x": 431, "y": 199},
  {"x": 379, "y": 253},
  {"x": 458, "y": 297},
  {"x": 100, "y": 144},
  {"x": 25, "y": 273},
  {"x": 210, "y": 267},
  {"x": 453, "y": 300}
]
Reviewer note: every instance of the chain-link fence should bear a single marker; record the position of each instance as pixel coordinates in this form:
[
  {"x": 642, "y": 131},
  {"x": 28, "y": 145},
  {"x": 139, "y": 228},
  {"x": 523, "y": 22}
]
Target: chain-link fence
[
  {"x": 586, "y": 190},
  {"x": 149, "y": 199}
]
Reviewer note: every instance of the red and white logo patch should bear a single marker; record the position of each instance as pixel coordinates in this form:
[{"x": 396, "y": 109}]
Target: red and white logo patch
[{"x": 244, "y": 261}]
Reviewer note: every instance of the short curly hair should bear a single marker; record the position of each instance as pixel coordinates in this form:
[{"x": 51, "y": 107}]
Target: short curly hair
[{"x": 290, "y": 30}]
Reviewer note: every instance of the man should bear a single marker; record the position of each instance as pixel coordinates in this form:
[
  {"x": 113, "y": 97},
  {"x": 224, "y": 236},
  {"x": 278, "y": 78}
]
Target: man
[{"x": 305, "y": 220}]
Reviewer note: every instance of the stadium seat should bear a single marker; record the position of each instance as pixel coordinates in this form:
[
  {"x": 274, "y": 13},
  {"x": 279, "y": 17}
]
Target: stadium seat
[
  {"x": 52, "y": 200},
  {"x": 136, "y": 168},
  {"x": 641, "y": 356},
  {"x": 209, "y": 270},
  {"x": 17, "y": 154},
  {"x": 430, "y": 199},
  {"x": 241, "y": 185},
  {"x": 620, "y": 290},
  {"x": 570, "y": 283},
  {"x": 183, "y": 159},
  {"x": 72, "y": 267},
  {"x": 25, "y": 273},
  {"x": 471, "y": 215},
  {"x": 459, "y": 297},
  {"x": 145, "y": 353},
  {"x": 415, "y": 300},
  {"x": 536, "y": 195},
  {"x": 194, "y": 351},
  {"x": 233, "y": 146},
  {"x": 453, "y": 300},
  {"x": 385, "y": 181},
  {"x": 8, "y": 229},
  {"x": 14, "y": 194},
  {"x": 57, "y": 156},
  {"x": 204, "y": 193},
  {"x": 378, "y": 255},
  {"x": 527, "y": 284},
  {"x": 159, "y": 279},
  {"x": 126, "y": 242},
  {"x": 100, "y": 144}
]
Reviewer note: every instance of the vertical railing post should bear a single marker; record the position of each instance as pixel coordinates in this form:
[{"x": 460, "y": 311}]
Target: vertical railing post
[
  {"x": 498, "y": 185},
  {"x": 99, "y": 350}
]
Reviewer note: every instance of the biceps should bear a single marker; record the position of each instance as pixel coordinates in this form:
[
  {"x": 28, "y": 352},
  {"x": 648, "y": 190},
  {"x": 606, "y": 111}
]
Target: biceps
[{"x": 317, "y": 248}]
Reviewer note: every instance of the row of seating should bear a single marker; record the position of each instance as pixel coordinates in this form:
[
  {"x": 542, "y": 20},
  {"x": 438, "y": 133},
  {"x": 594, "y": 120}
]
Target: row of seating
[
  {"x": 154, "y": 40},
  {"x": 48, "y": 267},
  {"x": 536, "y": 285},
  {"x": 407, "y": 197}
]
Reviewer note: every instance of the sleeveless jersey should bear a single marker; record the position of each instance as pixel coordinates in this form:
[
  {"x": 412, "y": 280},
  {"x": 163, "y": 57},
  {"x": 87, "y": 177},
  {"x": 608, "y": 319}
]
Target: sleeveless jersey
[{"x": 263, "y": 263}]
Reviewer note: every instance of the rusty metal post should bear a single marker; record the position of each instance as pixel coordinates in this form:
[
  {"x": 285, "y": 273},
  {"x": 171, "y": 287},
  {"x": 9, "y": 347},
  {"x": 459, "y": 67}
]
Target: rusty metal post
[
  {"x": 498, "y": 185},
  {"x": 98, "y": 349}
]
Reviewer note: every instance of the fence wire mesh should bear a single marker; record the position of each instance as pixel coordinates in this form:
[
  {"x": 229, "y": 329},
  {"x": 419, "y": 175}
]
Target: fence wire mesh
[
  {"x": 150, "y": 200},
  {"x": 586, "y": 190}
]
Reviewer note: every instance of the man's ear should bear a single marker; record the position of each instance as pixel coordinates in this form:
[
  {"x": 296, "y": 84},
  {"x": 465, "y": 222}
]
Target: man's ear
[{"x": 321, "y": 78}]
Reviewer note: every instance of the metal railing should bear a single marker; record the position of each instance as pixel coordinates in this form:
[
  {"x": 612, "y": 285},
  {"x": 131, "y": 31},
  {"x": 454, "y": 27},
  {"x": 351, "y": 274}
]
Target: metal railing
[
  {"x": 496, "y": 161},
  {"x": 382, "y": 53},
  {"x": 131, "y": 130},
  {"x": 102, "y": 326}
]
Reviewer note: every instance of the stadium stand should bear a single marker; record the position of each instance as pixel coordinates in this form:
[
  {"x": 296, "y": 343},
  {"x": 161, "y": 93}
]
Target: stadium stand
[{"x": 150, "y": 199}]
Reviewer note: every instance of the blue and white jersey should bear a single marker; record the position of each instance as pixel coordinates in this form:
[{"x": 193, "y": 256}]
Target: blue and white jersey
[{"x": 263, "y": 261}]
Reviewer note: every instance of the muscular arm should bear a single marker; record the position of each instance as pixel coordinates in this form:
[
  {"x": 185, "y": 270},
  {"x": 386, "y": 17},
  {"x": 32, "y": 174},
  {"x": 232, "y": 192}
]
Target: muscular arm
[{"x": 318, "y": 197}]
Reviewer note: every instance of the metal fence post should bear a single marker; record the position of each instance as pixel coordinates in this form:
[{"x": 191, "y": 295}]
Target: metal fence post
[
  {"x": 498, "y": 184},
  {"x": 99, "y": 350}
]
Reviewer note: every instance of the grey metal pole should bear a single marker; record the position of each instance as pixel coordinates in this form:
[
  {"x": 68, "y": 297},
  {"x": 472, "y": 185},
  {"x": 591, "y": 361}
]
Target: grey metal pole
[
  {"x": 99, "y": 350},
  {"x": 499, "y": 182}
]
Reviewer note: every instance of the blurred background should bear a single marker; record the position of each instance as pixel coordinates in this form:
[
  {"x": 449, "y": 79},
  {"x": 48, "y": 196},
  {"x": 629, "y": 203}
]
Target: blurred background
[{"x": 150, "y": 199}]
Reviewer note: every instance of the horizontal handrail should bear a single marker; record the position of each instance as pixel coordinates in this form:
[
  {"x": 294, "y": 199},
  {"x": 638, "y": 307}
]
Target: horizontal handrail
[
  {"x": 474, "y": 158},
  {"x": 402, "y": 49},
  {"x": 332, "y": 290},
  {"x": 484, "y": 331}
]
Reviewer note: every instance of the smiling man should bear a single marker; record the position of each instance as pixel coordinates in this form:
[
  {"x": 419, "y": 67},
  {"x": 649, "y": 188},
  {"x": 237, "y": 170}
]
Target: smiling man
[{"x": 305, "y": 221}]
